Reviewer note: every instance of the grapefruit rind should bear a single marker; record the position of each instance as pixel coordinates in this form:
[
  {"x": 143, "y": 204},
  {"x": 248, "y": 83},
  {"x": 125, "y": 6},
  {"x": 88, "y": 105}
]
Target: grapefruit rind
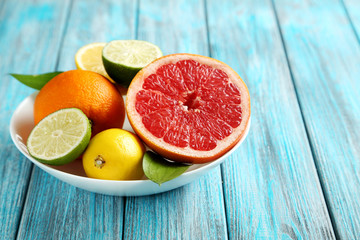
[{"x": 186, "y": 154}]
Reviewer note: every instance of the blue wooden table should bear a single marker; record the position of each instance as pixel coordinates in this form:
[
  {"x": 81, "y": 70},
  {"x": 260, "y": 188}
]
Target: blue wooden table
[{"x": 297, "y": 175}]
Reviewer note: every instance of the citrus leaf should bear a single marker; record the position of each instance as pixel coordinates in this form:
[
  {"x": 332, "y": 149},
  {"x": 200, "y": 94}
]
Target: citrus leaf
[
  {"x": 159, "y": 170},
  {"x": 35, "y": 81}
]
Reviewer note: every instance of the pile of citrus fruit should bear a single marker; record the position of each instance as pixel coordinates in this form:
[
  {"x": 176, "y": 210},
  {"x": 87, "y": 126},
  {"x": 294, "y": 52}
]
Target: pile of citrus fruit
[{"x": 187, "y": 108}]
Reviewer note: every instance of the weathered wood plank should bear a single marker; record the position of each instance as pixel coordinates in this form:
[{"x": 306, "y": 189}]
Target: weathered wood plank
[
  {"x": 106, "y": 21},
  {"x": 324, "y": 57},
  {"x": 270, "y": 183},
  {"x": 353, "y": 10},
  {"x": 195, "y": 211},
  {"x": 56, "y": 210},
  {"x": 24, "y": 26}
]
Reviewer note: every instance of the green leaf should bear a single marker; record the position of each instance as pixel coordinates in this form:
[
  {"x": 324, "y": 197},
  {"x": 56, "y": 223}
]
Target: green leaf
[
  {"x": 159, "y": 170},
  {"x": 35, "y": 81}
]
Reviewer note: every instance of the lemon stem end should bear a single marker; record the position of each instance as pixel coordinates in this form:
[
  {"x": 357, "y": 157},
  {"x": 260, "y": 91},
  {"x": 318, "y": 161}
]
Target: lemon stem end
[{"x": 99, "y": 162}]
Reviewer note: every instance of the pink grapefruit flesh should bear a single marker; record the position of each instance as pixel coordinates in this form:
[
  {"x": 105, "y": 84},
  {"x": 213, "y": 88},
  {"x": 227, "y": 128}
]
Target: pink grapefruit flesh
[{"x": 188, "y": 108}]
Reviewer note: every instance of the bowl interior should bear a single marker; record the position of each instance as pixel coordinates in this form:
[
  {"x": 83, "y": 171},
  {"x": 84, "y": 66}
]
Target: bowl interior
[{"x": 22, "y": 123}]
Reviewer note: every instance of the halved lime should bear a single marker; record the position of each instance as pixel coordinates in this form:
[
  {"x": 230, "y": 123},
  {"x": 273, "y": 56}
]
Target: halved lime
[
  {"x": 61, "y": 137},
  {"x": 123, "y": 59}
]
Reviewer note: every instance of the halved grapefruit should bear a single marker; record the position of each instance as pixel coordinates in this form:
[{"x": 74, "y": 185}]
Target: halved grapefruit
[{"x": 188, "y": 108}]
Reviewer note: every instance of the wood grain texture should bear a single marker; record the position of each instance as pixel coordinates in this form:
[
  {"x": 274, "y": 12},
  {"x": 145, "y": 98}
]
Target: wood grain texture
[
  {"x": 56, "y": 210},
  {"x": 271, "y": 186},
  {"x": 195, "y": 211},
  {"x": 352, "y": 8},
  {"x": 98, "y": 21},
  {"x": 24, "y": 25},
  {"x": 324, "y": 56}
]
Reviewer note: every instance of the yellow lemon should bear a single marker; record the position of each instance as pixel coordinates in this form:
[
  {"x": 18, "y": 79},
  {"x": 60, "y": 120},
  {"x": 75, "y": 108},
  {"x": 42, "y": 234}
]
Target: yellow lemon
[
  {"x": 89, "y": 57},
  {"x": 114, "y": 154}
]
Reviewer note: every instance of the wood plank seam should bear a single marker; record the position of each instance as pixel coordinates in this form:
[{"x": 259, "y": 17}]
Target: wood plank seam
[
  {"x": 177, "y": 26},
  {"x": 124, "y": 216},
  {"x": 7, "y": 139},
  {"x": 221, "y": 167},
  {"x": 282, "y": 210},
  {"x": 326, "y": 200},
  {"x": 136, "y": 33},
  {"x": 136, "y": 27},
  {"x": 72, "y": 212},
  {"x": 63, "y": 34},
  {"x": 26, "y": 199},
  {"x": 350, "y": 20},
  {"x": 32, "y": 165},
  {"x": 207, "y": 27}
]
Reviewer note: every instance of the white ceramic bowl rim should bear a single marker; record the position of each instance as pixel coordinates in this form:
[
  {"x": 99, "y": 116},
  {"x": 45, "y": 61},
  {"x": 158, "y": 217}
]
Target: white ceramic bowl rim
[{"x": 26, "y": 106}]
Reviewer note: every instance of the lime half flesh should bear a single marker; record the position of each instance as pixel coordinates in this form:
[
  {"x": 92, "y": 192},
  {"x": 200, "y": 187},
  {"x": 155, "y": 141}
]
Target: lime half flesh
[
  {"x": 61, "y": 137},
  {"x": 123, "y": 59}
]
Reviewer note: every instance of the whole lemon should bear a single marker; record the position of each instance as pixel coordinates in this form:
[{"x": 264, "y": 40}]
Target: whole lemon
[{"x": 114, "y": 154}]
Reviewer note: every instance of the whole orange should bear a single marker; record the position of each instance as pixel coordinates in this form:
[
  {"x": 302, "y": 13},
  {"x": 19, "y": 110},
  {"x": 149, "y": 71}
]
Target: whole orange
[{"x": 89, "y": 91}]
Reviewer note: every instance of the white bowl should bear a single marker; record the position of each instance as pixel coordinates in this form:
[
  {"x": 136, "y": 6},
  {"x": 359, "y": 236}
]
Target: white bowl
[{"x": 22, "y": 123}]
